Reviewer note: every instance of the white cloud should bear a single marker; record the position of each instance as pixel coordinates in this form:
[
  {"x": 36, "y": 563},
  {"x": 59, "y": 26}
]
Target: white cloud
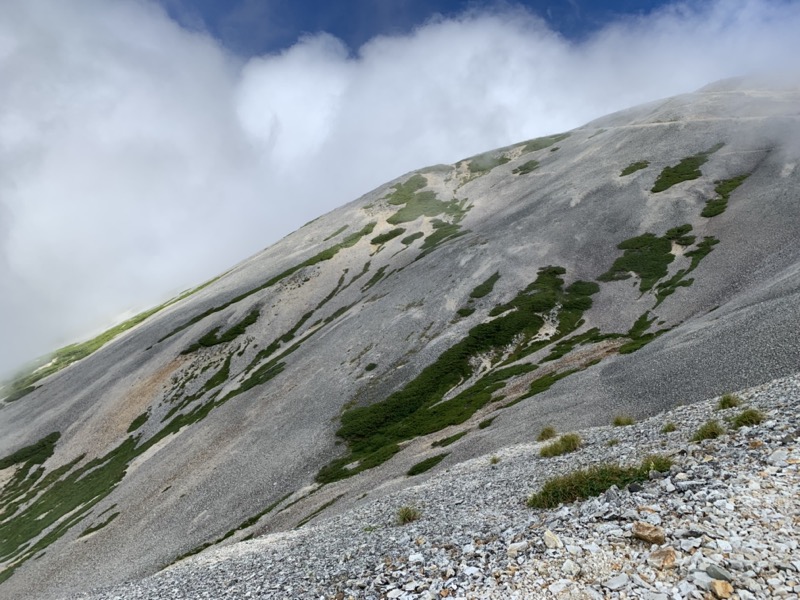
[{"x": 137, "y": 157}]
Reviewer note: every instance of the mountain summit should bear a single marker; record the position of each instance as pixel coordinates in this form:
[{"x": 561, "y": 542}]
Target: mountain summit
[{"x": 644, "y": 260}]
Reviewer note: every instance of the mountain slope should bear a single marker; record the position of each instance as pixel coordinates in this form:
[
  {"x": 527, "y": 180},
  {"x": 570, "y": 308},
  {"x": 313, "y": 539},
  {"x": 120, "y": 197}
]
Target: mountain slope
[{"x": 645, "y": 259}]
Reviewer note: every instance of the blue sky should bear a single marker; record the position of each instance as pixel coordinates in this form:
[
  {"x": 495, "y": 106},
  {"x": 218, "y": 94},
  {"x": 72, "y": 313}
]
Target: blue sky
[
  {"x": 131, "y": 129},
  {"x": 252, "y": 27}
]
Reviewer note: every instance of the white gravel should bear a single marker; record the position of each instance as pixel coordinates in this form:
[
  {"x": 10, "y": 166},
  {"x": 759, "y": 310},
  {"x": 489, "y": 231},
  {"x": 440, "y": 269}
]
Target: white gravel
[{"x": 728, "y": 511}]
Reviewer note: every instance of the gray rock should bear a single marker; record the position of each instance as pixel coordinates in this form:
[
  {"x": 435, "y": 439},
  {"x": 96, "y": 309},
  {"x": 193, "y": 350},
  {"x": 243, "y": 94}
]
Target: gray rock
[
  {"x": 717, "y": 572},
  {"x": 570, "y": 568},
  {"x": 617, "y": 582}
]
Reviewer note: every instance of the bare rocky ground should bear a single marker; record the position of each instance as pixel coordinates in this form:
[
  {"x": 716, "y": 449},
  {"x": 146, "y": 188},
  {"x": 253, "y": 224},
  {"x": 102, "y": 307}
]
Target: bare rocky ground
[{"x": 724, "y": 522}]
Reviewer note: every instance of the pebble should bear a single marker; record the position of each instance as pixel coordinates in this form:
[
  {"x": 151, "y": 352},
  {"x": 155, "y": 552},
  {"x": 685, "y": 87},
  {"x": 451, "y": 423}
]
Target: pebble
[{"x": 722, "y": 524}]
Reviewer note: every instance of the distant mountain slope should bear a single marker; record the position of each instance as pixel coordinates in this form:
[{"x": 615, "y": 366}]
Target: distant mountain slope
[{"x": 645, "y": 259}]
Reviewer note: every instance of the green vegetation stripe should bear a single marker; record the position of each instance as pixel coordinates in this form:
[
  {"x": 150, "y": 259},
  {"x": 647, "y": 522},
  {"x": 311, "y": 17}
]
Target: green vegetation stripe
[
  {"x": 486, "y": 287},
  {"x": 633, "y": 167},
  {"x": 409, "y": 239},
  {"x": 326, "y": 254},
  {"x": 250, "y": 521},
  {"x": 427, "y": 464},
  {"x": 373, "y": 432},
  {"x": 543, "y": 142},
  {"x": 385, "y": 237},
  {"x": 449, "y": 440},
  {"x": 483, "y": 163},
  {"x": 35, "y": 454},
  {"x": 212, "y": 339},
  {"x": 525, "y": 168},
  {"x": 724, "y": 189},
  {"x": 335, "y": 233},
  {"x": 24, "y": 384},
  {"x": 645, "y": 255},
  {"x": 686, "y": 170}
]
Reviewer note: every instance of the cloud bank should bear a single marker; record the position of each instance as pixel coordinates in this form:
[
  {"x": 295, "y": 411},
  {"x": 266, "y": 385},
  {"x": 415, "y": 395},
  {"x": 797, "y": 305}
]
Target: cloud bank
[{"x": 138, "y": 158}]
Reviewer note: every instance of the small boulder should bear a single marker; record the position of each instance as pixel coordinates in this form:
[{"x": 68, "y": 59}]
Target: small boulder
[
  {"x": 649, "y": 533},
  {"x": 721, "y": 589}
]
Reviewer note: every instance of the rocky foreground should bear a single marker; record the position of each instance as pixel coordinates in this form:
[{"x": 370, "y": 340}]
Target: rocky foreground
[{"x": 723, "y": 523}]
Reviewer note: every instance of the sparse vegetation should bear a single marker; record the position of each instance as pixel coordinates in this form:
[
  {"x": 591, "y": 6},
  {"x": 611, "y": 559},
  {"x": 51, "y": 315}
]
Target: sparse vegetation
[
  {"x": 594, "y": 481},
  {"x": 485, "y": 423},
  {"x": 494, "y": 460},
  {"x": 748, "y": 418},
  {"x": 327, "y": 254},
  {"x": 335, "y": 233},
  {"x": 212, "y": 339},
  {"x": 703, "y": 249},
  {"x": 426, "y": 464},
  {"x": 407, "y": 514},
  {"x": 669, "y": 427},
  {"x": 24, "y": 384},
  {"x": 99, "y": 526},
  {"x": 543, "y": 142},
  {"x": 409, "y": 239},
  {"x": 385, "y": 237},
  {"x": 729, "y": 401},
  {"x": 708, "y": 431},
  {"x": 449, "y": 440},
  {"x": 243, "y": 525},
  {"x": 486, "y": 287},
  {"x": 483, "y": 163},
  {"x": 416, "y": 203},
  {"x": 526, "y": 167},
  {"x": 370, "y": 367},
  {"x": 35, "y": 454},
  {"x": 565, "y": 346},
  {"x": 633, "y": 167},
  {"x": 138, "y": 422},
  {"x": 545, "y": 382},
  {"x": 568, "y": 442},
  {"x": 623, "y": 420},
  {"x": 310, "y": 516},
  {"x": 376, "y": 277},
  {"x": 647, "y": 255},
  {"x": 716, "y": 206},
  {"x": 612, "y": 442},
  {"x": 638, "y": 336},
  {"x": 680, "y": 235},
  {"x": 465, "y": 311},
  {"x": 686, "y": 170},
  {"x": 442, "y": 232},
  {"x": 372, "y": 432},
  {"x": 547, "y": 433}
]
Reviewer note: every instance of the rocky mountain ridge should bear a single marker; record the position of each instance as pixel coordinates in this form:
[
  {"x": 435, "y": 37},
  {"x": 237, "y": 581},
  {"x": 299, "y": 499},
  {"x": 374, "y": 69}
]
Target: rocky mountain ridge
[{"x": 645, "y": 259}]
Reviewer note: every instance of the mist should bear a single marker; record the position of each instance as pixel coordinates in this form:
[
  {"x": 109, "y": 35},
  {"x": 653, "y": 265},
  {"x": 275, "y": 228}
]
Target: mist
[{"x": 139, "y": 158}]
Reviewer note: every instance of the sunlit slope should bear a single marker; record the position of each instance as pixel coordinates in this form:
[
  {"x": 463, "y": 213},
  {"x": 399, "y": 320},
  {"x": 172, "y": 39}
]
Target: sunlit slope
[{"x": 646, "y": 259}]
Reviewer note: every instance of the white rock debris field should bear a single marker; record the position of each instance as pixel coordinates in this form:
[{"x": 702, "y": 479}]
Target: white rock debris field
[{"x": 724, "y": 522}]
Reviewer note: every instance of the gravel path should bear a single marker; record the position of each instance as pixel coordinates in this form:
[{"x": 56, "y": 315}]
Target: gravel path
[{"x": 724, "y": 522}]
